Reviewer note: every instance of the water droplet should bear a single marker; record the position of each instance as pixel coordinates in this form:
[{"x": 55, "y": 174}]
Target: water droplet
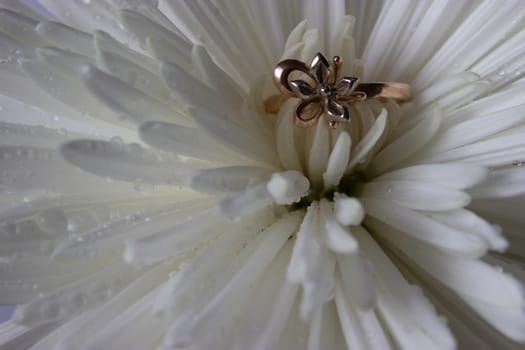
[
  {"x": 501, "y": 73},
  {"x": 52, "y": 221},
  {"x": 133, "y": 218},
  {"x": 12, "y": 228},
  {"x": 46, "y": 248},
  {"x": 144, "y": 188},
  {"x": 51, "y": 310},
  {"x": 100, "y": 213},
  {"x": 101, "y": 291},
  {"x": 116, "y": 140},
  {"x": 77, "y": 301},
  {"x": 72, "y": 225}
]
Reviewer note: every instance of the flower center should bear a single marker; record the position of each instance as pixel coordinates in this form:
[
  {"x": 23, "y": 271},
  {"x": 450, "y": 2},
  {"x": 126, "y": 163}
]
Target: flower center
[{"x": 332, "y": 155}]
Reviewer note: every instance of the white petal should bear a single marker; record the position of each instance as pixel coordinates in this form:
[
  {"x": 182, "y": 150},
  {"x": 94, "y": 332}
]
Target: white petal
[
  {"x": 500, "y": 150},
  {"x": 497, "y": 296},
  {"x": 411, "y": 320},
  {"x": 143, "y": 27},
  {"x": 337, "y": 237},
  {"x": 403, "y": 147},
  {"x": 227, "y": 180},
  {"x": 137, "y": 319},
  {"x": 285, "y": 138},
  {"x": 454, "y": 175},
  {"x": 421, "y": 227},
  {"x": 201, "y": 276},
  {"x": 367, "y": 143},
  {"x": 501, "y": 183},
  {"x": 69, "y": 91},
  {"x": 361, "y": 330},
  {"x": 468, "y": 221},
  {"x": 231, "y": 135},
  {"x": 105, "y": 42},
  {"x": 337, "y": 162},
  {"x": 268, "y": 308},
  {"x": 125, "y": 99},
  {"x": 21, "y": 7},
  {"x": 20, "y": 27},
  {"x": 200, "y": 319},
  {"x": 123, "y": 162},
  {"x": 108, "y": 239},
  {"x": 14, "y": 336},
  {"x": 305, "y": 245},
  {"x": 216, "y": 77},
  {"x": 356, "y": 279},
  {"x": 477, "y": 129},
  {"x": 269, "y": 335},
  {"x": 191, "y": 92},
  {"x": 66, "y": 37},
  {"x": 174, "y": 240},
  {"x": 246, "y": 202},
  {"x": 318, "y": 155},
  {"x": 34, "y": 167},
  {"x": 186, "y": 141},
  {"x": 75, "y": 298},
  {"x": 348, "y": 211},
  {"x": 133, "y": 74},
  {"x": 416, "y": 195},
  {"x": 288, "y": 187},
  {"x": 80, "y": 329}
]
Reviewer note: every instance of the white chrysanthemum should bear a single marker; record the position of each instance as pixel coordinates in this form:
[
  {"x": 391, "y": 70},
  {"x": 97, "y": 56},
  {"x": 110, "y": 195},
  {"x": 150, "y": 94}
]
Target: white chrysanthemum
[{"x": 198, "y": 221}]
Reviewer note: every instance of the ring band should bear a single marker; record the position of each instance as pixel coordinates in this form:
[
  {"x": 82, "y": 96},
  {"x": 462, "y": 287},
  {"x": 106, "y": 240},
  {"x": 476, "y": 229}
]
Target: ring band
[{"x": 323, "y": 91}]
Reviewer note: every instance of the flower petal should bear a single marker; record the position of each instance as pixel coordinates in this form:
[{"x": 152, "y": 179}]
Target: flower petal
[
  {"x": 337, "y": 238},
  {"x": 411, "y": 319},
  {"x": 338, "y": 161},
  {"x": 185, "y": 141},
  {"x": 421, "y": 227},
  {"x": 453, "y": 175},
  {"x": 66, "y": 37},
  {"x": 406, "y": 145},
  {"x": 127, "y": 100},
  {"x": 123, "y": 162},
  {"x": 416, "y": 194},
  {"x": 227, "y": 180}
]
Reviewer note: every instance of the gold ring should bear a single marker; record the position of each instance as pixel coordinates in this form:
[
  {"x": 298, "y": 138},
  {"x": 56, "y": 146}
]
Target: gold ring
[{"x": 321, "y": 90}]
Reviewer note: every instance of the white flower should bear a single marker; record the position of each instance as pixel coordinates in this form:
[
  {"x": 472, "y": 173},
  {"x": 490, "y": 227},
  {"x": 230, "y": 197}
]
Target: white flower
[{"x": 199, "y": 221}]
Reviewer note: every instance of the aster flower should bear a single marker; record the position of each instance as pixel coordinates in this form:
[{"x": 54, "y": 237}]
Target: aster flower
[{"x": 149, "y": 201}]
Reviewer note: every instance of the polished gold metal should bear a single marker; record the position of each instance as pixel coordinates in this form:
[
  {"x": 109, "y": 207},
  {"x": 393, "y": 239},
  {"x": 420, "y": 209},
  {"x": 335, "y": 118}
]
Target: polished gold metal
[
  {"x": 282, "y": 72},
  {"x": 322, "y": 91}
]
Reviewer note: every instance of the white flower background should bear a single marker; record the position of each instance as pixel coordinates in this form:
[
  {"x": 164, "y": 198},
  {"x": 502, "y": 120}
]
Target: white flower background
[{"x": 148, "y": 201}]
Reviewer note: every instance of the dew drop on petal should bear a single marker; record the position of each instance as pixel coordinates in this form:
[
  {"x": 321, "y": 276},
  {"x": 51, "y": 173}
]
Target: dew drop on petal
[
  {"x": 52, "y": 221},
  {"x": 116, "y": 140}
]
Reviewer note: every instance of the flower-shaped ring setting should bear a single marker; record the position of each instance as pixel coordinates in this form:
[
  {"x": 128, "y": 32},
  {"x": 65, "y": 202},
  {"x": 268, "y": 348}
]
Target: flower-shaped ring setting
[{"x": 322, "y": 91}]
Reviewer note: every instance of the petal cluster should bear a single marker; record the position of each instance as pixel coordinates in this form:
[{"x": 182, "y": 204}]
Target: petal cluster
[{"x": 149, "y": 201}]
